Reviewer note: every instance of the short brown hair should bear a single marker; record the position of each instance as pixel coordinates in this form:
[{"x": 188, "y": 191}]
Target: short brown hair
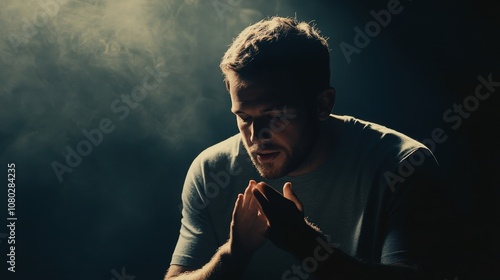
[{"x": 280, "y": 44}]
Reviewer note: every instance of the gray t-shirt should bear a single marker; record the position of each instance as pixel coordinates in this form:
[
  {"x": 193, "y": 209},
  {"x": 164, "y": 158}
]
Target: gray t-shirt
[{"x": 363, "y": 197}]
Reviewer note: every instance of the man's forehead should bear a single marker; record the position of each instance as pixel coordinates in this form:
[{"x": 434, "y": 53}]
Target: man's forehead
[
  {"x": 260, "y": 104},
  {"x": 261, "y": 101},
  {"x": 265, "y": 89},
  {"x": 250, "y": 95}
]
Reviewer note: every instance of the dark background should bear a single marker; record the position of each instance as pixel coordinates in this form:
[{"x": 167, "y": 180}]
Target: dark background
[{"x": 118, "y": 209}]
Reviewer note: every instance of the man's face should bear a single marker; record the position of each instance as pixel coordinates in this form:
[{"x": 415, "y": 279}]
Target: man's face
[{"x": 277, "y": 129}]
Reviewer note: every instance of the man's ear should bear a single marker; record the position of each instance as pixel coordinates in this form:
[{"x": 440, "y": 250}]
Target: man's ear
[{"x": 324, "y": 103}]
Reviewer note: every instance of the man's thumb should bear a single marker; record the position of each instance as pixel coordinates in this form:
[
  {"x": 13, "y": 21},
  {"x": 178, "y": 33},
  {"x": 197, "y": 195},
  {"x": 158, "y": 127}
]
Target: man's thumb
[{"x": 289, "y": 194}]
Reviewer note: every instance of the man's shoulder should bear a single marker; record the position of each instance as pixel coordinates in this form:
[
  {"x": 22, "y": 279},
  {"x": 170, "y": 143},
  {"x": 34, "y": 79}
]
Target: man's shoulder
[
  {"x": 225, "y": 158},
  {"x": 224, "y": 151},
  {"x": 372, "y": 135}
]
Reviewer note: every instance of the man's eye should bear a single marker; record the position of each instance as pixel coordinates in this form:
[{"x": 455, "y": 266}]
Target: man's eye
[{"x": 245, "y": 118}]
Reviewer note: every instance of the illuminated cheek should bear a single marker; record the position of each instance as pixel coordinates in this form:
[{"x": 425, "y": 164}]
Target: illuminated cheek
[{"x": 245, "y": 131}]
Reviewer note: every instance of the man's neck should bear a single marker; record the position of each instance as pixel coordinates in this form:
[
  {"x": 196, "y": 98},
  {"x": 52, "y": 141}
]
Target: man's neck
[{"x": 321, "y": 150}]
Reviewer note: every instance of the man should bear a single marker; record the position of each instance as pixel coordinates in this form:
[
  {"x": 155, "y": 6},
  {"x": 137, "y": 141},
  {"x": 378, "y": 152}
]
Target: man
[{"x": 370, "y": 194}]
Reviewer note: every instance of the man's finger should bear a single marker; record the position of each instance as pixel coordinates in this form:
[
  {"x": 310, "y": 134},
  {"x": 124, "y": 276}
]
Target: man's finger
[
  {"x": 256, "y": 207},
  {"x": 263, "y": 202},
  {"x": 270, "y": 193},
  {"x": 237, "y": 205},
  {"x": 247, "y": 197},
  {"x": 290, "y": 194}
]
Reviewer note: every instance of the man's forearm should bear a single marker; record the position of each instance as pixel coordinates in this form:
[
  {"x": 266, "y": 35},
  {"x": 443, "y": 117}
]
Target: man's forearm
[
  {"x": 325, "y": 261},
  {"x": 223, "y": 265}
]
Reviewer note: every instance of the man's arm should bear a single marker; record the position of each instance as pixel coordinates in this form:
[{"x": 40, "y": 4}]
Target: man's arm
[
  {"x": 292, "y": 233},
  {"x": 332, "y": 263},
  {"x": 223, "y": 265},
  {"x": 246, "y": 236}
]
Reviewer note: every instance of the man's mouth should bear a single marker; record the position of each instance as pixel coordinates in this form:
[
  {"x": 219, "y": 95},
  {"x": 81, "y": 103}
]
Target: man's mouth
[{"x": 267, "y": 156}]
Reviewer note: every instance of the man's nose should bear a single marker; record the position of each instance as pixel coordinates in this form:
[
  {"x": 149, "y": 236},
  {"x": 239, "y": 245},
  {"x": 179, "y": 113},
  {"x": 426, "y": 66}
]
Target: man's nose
[{"x": 260, "y": 131}]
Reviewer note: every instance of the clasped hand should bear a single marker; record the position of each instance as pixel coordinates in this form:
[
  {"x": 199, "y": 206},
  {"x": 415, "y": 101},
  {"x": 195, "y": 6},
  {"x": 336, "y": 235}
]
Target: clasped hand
[{"x": 262, "y": 213}]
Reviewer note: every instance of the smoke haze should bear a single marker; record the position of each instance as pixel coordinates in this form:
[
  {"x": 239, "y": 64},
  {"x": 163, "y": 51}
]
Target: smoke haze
[{"x": 71, "y": 68}]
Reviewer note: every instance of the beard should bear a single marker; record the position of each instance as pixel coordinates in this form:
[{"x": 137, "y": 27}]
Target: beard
[
  {"x": 291, "y": 158},
  {"x": 273, "y": 170},
  {"x": 287, "y": 161}
]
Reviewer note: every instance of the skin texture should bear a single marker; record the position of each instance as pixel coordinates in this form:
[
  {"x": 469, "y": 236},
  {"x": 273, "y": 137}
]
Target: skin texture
[
  {"x": 249, "y": 226},
  {"x": 274, "y": 121}
]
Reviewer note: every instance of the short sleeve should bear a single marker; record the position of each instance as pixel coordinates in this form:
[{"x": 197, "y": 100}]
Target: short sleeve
[
  {"x": 414, "y": 213},
  {"x": 197, "y": 240}
]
